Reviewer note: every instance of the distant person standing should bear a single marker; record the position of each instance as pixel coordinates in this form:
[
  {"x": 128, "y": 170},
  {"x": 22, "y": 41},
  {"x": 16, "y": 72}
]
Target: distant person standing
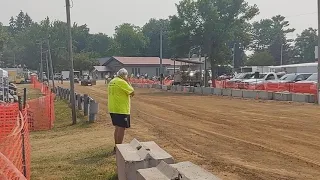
[
  {"x": 119, "y": 93},
  {"x": 61, "y": 79}
]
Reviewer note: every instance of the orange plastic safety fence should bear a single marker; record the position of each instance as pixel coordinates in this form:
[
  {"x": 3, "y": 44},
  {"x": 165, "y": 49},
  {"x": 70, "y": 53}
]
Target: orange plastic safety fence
[
  {"x": 14, "y": 143},
  {"x": 41, "y": 113},
  {"x": 309, "y": 88}
]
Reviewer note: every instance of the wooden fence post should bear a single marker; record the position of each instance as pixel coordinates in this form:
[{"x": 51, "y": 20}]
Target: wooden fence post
[{"x": 86, "y": 104}]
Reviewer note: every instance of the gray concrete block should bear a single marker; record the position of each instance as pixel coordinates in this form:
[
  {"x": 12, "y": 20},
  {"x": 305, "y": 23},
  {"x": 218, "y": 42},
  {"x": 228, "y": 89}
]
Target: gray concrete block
[
  {"x": 188, "y": 89},
  {"x": 312, "y": 98},
  {"x": 198, "y": 90},
  {"x": 217, "y": 91},
  {"x": 183, "y": 171},
  {"x": 164, "y": 87},
  {"x": 265, "y": 95},
  {"x": 307, "y": 98},
  {"x": 226, "y": 92},
  {"x": 207, "y": 90},
  {"x": 158, "y": 86},
  {"x": 249, "y": 94},
  {"x": 154, "y": 85},
  {"x": 282, "y": 96},
  {"x": 138, "y": 155},
  {"x": 237, "y": 93}
]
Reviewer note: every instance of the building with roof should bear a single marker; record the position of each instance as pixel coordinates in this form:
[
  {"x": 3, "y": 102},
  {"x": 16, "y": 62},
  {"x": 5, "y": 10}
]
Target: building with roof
[
  {"x": 139, "y": 65},
  {"x": 296, "y": 68}
]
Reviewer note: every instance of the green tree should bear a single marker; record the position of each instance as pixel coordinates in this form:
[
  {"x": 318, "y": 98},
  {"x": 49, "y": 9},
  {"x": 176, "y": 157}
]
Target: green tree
[
  {"x": 99, "y": 43},
  {"x": 151, "y": 30},
  {"x": 19, "y": 23},
  {"x": 85, "y": 61},
  {"x": 211, "y": 24},
  {"x": 129, "y": 40},
  {"x": 27, "y": 21},
  {"x": 260, "y": 58},
  {"x": 305, "y": 45},
  {"x": 271, "y": 35},
  {"x": 12, "y": 25}
]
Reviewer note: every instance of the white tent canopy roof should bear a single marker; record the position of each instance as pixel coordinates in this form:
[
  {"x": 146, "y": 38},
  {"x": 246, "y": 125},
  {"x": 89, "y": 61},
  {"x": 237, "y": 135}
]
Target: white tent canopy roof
[{"x": 3, "y": 73}]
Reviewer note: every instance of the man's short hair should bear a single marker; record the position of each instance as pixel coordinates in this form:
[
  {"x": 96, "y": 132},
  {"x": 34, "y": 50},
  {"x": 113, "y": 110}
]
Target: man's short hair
[{"x": 122, "y": 72}]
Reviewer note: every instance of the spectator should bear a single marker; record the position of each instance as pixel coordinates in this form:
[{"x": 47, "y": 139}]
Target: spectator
[{"x": 119, "y": 93}]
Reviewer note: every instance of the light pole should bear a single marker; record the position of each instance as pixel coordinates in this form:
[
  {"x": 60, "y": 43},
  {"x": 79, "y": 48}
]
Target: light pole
[
  {"x": 51, "y": 66},
  {"x": 318, "y": 52},
  {"x": 281, "y": 61},
  {"x": 161, "y": 68},
  {"x": 71, "y": 75}
]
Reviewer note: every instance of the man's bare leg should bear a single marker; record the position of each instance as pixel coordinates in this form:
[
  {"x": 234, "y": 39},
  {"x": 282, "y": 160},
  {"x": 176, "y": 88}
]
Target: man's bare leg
[
  {"x": 120, "y": 135},
  {"x": 115, "y": 135}
]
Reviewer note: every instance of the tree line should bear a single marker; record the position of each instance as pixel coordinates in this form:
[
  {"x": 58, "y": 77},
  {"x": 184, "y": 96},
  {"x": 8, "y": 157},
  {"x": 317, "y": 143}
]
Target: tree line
[{"x": 220, "y": 28}]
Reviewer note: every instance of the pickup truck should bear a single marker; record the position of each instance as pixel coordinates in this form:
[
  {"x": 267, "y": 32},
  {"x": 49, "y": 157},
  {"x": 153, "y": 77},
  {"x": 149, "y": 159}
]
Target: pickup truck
[{"x": 261, "y": 79}]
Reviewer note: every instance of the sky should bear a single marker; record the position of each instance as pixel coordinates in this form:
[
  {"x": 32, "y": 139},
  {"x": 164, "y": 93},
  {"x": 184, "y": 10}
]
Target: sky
[{"x": 104, "y": 15}]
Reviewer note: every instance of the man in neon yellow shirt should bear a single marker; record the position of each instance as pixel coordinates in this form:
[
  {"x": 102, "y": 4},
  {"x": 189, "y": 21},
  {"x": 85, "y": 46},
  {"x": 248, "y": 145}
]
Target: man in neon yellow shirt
[{"x": 119, "y": 93}]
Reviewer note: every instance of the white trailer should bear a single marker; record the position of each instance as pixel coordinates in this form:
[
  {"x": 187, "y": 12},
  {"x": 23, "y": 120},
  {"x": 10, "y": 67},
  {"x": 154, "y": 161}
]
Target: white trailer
[{"x": 65, "y": 75}]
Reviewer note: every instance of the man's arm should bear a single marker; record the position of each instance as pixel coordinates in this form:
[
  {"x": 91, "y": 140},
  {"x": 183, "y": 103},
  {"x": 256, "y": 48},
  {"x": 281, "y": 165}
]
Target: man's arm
[{"x": 126, "y": 87}]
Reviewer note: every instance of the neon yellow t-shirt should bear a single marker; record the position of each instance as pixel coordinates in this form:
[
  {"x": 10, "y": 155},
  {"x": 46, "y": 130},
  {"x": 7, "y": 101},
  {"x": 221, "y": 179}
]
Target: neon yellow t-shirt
[{"x": 119, "y": 96}]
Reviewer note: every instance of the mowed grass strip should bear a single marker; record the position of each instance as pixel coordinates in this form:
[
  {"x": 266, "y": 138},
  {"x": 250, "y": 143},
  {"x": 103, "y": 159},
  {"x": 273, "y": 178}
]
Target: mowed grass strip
[
  {"x": 32, "y": 93},
  {"x": 82, "y": 151}
]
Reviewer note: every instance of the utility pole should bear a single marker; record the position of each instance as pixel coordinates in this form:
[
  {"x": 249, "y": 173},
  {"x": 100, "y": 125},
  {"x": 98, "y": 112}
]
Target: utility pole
[
  {"x": 281, "y": 62},
  {"x": 161, "y": 69},
  {"x": 48, "y": 74},
  {"x": 51, "y": 66},
  {"x": 41, "y": 63},
  {"x": 14, "y": 59},
  {"x": 319, "y": 52},
  {"x": 73, "y": 105},
  {"x": 201, "y": 80},
  {"x": 234, "y": 58}
]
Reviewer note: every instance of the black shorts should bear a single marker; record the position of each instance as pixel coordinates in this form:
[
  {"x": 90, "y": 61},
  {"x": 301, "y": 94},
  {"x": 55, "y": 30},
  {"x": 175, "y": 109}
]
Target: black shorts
[{"x": 120, "y": 120}]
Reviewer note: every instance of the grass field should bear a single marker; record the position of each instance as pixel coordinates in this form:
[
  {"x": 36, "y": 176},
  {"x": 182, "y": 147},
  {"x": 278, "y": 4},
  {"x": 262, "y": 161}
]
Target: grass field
[
  {"x": 79, "y": 152},
  {"x": 31, "y": 92}
]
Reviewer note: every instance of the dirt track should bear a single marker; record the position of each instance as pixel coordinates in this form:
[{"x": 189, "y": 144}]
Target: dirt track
[{"x": 233, "y": 138}]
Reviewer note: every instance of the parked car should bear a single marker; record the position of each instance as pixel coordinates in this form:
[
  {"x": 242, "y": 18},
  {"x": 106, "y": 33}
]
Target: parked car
[
  {"x": 294, "y": 77},
  {"x": 57, "y": 76},
  {"x": 262, "y": 78},
  {"x": 87, "y": 80},
  {"x": 312, "y": 79},
  {"x": 76, "y": 79},
  {"x": 241, "y": 76}
]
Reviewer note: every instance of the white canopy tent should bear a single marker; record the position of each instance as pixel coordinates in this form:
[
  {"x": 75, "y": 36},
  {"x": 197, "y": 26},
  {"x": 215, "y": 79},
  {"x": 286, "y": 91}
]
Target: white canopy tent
[{"x": 4, "y": 85}]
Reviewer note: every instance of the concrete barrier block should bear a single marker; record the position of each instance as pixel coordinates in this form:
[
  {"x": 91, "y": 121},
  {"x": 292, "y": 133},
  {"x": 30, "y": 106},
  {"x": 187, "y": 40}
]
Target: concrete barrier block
[
  {"x": 198, "y": 90},
  {"x": 307, "y": 98},
  {"x": 283, "y": 96},
  {"x": 265, "y": 95},
  {"x": 138, "y": 155},
  {"x": 249, "y": 94},
  {"x": 183, "y": 171},
  {"x": 237, "y": 93},
  {"x": 312, "y": 98},
  {"x": 188, "y": 89},
  {"x": 206, "y": 90},
  {"x": 174, "y": 88},
  {"x": 217, "y": 91},
  {"x": 158, "y": 86},
  {"x": 154, "y": 85},
  {"x": 164, "y": 87},
  {"x": 226, "y": 92}
]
